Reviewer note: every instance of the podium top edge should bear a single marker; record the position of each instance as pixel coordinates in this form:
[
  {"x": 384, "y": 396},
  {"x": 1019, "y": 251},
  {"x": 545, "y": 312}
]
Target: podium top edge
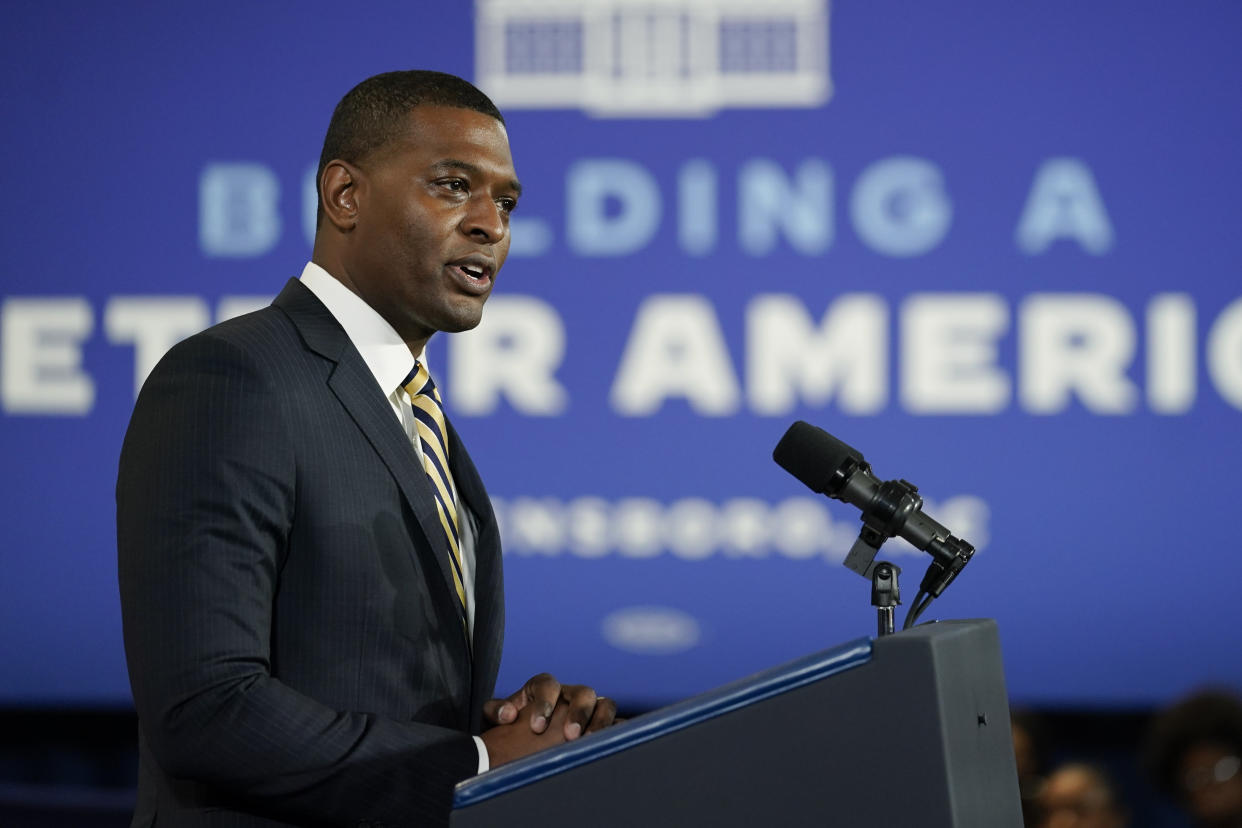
[{"x": 649, "y": 726}]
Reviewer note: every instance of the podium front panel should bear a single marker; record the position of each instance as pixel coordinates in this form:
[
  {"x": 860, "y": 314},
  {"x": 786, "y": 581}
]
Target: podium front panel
[{"x": 911, "y": 729}]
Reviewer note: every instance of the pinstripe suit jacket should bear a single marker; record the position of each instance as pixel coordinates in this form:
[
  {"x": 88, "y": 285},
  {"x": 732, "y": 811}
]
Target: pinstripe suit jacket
[{"x": 289, "y": 614}]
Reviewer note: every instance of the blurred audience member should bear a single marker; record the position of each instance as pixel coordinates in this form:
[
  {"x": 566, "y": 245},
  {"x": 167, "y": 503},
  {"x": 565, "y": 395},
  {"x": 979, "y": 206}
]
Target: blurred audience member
[
  {"x": 1028, "y": 754},
  {"x": 1193, "y": 753},
  {"x": 1079, "y": 795}
]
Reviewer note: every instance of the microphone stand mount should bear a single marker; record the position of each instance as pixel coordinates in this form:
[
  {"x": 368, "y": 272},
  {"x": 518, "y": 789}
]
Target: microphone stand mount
[{"x": 885, "y": 595}]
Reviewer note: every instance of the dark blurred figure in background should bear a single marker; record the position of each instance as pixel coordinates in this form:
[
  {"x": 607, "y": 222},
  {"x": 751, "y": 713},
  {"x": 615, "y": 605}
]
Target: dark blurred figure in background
[
  {"x": 1028, "y": 754},
  {"x": 1080, "y": 795},
  {"x": 1193, "y": 752}
]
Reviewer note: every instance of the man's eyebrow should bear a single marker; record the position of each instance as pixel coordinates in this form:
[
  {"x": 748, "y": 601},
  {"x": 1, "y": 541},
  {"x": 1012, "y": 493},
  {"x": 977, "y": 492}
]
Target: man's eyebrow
[{"x": 473, "y": 169}]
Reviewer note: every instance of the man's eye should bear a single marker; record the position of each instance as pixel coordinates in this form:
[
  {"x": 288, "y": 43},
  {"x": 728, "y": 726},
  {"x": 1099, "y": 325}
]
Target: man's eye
[
  {"x": 508, "y": 204},
  {"x": 454, "y": 184}
]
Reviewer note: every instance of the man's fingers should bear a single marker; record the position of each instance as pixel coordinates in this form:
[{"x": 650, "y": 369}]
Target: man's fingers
[
  {"x": 581, "y": 701},
  {"x": 506, "y": 743},
  {"x": 542, "y": 691},
  {"x": 585, "y": 711},
  {"x": 500, "y": 711},
  {"x": 605, "y": 714}
]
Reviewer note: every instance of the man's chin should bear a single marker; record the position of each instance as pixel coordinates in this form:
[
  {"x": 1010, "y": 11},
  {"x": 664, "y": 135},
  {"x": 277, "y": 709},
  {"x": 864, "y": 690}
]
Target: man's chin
[{"x": 462, "y": 319}]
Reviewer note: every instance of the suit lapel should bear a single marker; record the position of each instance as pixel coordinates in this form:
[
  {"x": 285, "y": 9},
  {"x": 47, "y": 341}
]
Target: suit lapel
[
  {"x": 354, "y": 386},
  {"x": 489, "y": 613}
]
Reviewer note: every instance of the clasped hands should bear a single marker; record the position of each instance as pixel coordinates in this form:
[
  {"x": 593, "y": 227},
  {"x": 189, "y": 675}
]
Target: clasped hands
[{"x": 542, "y": 714}]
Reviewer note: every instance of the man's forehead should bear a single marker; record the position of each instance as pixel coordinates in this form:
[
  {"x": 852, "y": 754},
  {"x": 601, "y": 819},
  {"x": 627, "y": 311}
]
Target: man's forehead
[
  {"x": 443, "y": 140},
  {"x": 451, "y": 132},
  {"x": 452, "y": 119}
]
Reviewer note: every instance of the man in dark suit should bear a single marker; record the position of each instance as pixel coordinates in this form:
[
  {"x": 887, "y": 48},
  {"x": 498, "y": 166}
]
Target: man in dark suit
[{"x": 313, "y": 619}]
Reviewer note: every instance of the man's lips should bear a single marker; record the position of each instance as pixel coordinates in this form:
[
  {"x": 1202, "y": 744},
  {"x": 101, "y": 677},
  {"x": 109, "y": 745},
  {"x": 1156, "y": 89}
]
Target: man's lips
[{"x": 473, "y": 273}]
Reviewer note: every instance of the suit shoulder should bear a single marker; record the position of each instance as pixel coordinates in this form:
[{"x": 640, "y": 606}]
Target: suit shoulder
[
  {"x": 258, "y": 340},
  {"x": 264, "y": 327}
]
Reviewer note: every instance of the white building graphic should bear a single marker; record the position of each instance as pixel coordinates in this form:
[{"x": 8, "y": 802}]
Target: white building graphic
[{"x": 676, "y": 58}]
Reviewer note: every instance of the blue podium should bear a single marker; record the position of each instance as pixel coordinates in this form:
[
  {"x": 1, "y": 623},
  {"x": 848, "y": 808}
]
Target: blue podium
[{"x": 910, "y": 729}]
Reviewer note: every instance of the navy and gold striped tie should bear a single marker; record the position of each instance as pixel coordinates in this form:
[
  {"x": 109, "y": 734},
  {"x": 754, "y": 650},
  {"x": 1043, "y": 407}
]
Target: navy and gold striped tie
[{"x": 433, "y": 439}]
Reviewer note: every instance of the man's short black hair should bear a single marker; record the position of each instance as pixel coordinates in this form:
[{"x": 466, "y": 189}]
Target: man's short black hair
[{"x": 374, "y": 112}]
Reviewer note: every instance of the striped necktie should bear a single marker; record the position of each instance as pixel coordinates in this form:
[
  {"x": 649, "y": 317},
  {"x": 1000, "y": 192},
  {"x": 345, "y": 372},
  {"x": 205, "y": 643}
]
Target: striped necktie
[{"x": 433, "y": 439}]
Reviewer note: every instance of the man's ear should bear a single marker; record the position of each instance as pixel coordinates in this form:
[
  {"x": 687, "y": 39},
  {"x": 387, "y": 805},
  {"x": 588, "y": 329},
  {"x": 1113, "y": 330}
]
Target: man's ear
[{"x": 338, "y": 189}]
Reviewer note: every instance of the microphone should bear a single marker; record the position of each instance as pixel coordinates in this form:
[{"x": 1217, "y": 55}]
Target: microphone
[{"x": 891, "y": 508}]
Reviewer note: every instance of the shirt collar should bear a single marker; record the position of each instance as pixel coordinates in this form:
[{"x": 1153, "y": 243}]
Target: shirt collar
[{"x": 382, "y": 349}]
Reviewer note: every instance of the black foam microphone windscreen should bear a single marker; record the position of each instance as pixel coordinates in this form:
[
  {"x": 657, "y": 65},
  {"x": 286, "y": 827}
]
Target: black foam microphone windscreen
[{"x": 813, "y": 455}]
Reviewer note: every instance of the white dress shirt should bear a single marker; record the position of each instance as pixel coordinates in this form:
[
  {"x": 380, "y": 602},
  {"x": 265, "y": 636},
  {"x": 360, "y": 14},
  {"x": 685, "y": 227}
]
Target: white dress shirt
[{"x": 390, "y": 362}]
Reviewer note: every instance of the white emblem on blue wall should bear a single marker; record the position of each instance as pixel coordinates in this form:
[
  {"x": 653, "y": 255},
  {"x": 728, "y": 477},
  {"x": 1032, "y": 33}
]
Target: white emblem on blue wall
[
  {"x": 651, "y": 630},
  {"x": 669, "y": 58}
]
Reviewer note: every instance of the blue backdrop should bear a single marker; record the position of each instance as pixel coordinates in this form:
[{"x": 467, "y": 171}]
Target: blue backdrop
[{"x": 995, "y": 249}]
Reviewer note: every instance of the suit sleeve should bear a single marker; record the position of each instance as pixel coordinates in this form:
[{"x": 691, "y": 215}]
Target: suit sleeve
[{"x": 205, "y": 497}]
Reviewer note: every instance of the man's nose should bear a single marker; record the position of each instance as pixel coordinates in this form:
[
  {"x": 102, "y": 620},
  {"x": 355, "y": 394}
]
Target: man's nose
[{"x": 485, "y": 221}]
